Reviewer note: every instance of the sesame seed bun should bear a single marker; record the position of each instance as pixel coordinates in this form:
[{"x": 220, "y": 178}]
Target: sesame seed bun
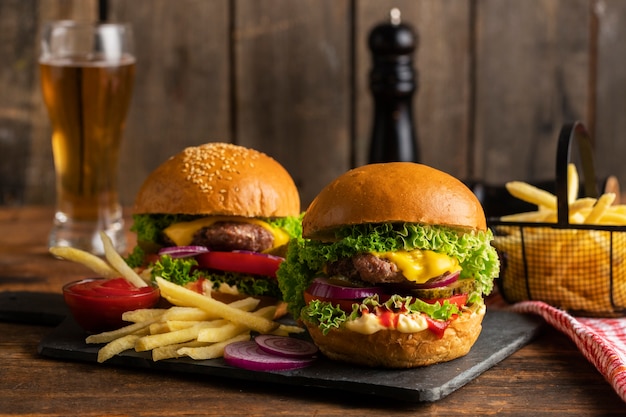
[
  {"x": 393, "y": 192},
  {"x": 219, "y": 179}
]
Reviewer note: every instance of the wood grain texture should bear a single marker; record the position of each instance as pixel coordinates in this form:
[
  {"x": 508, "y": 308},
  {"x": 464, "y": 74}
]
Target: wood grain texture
[
  {"x": 17, "y": 80},
  {"x": 291, "y": 86},
  {"x": 181, "y": 95},
  {"x": 610, "y": 98},
  {"x": 531, "y": 77},
  {"x": 497, "y": 79}
]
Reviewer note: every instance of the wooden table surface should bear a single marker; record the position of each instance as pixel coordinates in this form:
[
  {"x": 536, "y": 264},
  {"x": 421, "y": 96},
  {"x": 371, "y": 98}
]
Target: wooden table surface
[{"x": 547, "y": 377}]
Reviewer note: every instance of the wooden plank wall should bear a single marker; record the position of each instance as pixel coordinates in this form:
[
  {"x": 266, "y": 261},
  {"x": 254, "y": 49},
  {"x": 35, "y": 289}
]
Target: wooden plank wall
[{"x": 497, "y": 78}]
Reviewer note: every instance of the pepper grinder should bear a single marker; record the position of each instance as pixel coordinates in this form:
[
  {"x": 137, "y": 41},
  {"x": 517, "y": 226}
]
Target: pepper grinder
[{"x": 393, "y": 82}]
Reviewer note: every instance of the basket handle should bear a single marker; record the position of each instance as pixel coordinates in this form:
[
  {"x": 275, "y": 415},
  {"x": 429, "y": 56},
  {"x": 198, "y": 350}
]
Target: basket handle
[{"x": 569, "y": 132}]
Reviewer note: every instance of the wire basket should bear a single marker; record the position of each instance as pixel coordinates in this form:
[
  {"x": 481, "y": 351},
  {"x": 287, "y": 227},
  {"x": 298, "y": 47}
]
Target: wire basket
[{"x": 576, "y": 267}]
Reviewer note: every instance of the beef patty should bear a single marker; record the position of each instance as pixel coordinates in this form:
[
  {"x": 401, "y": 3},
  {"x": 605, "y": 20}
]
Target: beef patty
[
  {"x": 229, "y": 236},
  {"x": 366, "y": 267},
  {"x": 373, "y": 270}
]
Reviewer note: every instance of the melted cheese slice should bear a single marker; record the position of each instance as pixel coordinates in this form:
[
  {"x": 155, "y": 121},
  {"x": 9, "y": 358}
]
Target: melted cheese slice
[
  {"x": 421, "y": 265},
  {"x": 182, "y": 233}
]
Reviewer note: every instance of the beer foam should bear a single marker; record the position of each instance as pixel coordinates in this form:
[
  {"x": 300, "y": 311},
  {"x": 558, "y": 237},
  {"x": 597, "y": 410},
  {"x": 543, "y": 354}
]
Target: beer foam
[{"x": 91, "y": 60}]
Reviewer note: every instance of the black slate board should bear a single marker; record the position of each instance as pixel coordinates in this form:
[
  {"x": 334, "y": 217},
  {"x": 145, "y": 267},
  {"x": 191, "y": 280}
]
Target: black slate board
[
  {"x": 42, "y": 308},
  {"x": 503, "y": 333}
]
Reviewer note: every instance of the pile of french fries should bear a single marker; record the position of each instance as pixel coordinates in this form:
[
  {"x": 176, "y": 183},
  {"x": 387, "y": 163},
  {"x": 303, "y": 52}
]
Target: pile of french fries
[
  {"x": 586, "y": 210},
  {"x": 568, "y": 268},
  {"x": 196, "y": 326}
]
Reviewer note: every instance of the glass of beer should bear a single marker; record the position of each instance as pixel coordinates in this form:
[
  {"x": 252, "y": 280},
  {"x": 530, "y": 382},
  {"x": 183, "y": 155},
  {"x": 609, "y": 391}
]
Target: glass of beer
[{"x": 87, "y": 73}]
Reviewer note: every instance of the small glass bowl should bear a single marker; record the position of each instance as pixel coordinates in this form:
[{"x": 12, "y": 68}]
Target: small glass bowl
[{"x": 97, "y": 308}]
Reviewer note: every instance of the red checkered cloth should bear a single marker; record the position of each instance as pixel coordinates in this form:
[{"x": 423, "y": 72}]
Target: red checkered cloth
[{"x": 601, "y": 341}]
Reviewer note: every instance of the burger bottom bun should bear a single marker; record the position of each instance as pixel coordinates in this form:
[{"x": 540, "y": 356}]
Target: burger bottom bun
[{"x": 394, "y": 349}]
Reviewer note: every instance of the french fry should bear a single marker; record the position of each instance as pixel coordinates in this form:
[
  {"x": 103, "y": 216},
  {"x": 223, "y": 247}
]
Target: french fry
[
  {"x": 529, "y": 216},
  {"x": 245, "y": 304},
  {"x": 188, "y": 313},
  {"x": 106, "y": 337},
  {"x": 600, "y": 208},
  {"x": 97, "y": 265},
  {"x": 118, "y": 262},
  {"x": 572, "y": 183},
  {"x": 171, "y": 351},
  {"x": 619, "y": 209},
  {"x": 117, "y": 346},
  {"x": 582, "y": 203},
  {"x": 613, "y": 218},
  {"x": 156, "y": 328},
  {"x": 172, "y": 291},
  {"x": 143, "y": 314},
  {"x": 531, "y": 194},
  {"x": 171, "y": 326},
  {"x": 152, "y": 341},
  {"x": 267, "y": 312},
  {"x": 216, "y": 350},
  {"x": 195, "y": 313},
  {"x": 229, "y": 330},
  {"x": 219, "y": 334},
  {"x": 286, "y": 330}
]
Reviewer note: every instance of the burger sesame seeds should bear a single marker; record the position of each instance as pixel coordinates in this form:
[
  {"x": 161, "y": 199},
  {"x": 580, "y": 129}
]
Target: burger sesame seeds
[{"x": 208, "y": 163}]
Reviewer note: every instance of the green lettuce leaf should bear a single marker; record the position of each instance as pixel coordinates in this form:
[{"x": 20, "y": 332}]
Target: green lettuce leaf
[
  {"x": 149, "y": 227},
  {"x": 182, "y": 271},
  {"x": 327, "y": 316},
  {"x": 306, "y": 258}
]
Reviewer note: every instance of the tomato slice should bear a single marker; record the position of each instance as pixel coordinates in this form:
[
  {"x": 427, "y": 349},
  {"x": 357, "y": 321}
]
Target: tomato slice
[
  {"x": 196, "y": 286},
  {"x": 459, "y": 299},
  {"x": 345, "y": 305},
  {"x": 437, "y": 327},
  {"x": 242, "y": 262}
]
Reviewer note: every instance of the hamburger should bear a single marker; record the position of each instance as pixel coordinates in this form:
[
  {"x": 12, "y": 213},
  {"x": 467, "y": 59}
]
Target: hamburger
[
  {"x": 392, "y": 267},
  {"x": 217, "y": 217}
]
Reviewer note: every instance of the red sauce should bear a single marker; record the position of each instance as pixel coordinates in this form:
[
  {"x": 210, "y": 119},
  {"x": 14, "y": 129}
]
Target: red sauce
[
  {"x": 98, "y": 304},
  {"x": 388, "y": 318},
  {"x": 438, "y": 327}
]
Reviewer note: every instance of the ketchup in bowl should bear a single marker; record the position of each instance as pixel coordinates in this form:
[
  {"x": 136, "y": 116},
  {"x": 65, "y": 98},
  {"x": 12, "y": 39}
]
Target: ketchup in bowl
[{"x": 97, "y": 304}]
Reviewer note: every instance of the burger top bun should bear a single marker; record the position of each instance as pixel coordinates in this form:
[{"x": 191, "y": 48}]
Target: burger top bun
[
  {"x": 393, "y": 192},
  {"x": 219, "y": 179}
]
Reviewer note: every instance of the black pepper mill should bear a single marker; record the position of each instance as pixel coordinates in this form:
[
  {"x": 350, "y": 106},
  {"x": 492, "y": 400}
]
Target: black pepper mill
[{"x": 393, "y": 81}]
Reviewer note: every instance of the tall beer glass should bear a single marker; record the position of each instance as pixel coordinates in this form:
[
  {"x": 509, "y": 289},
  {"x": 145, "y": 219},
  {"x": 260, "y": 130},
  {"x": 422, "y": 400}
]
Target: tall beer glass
[{"x": 87, "y": 73}]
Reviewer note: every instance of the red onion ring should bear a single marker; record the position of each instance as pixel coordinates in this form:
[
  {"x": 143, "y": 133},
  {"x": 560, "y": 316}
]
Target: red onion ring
[
  {"x": 183, "y": 251},
  {"x": 287, "y": 347},
  {"x": 320, "y": 287},
  {"x": 249, "y": 355},
  {"x": 266, "y": 255}
]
